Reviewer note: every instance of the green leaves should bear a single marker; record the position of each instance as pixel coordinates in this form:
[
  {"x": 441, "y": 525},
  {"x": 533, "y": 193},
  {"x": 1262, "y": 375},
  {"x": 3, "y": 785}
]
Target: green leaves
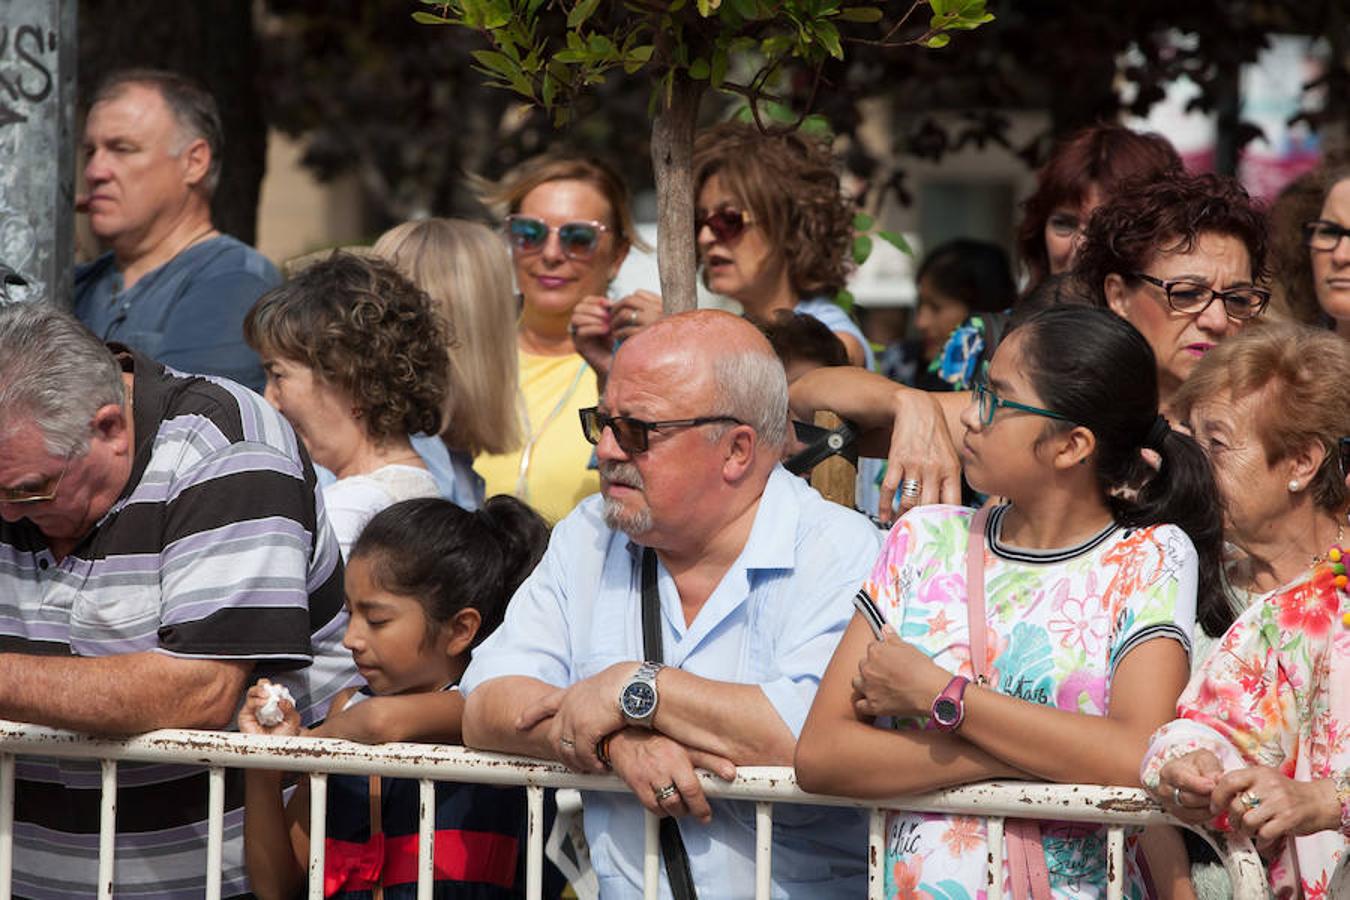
[
  {"x": 896, "y": 240},
  {"x": 862, "y": 248},
  {"x": 580, "y": 13},
  {"x": 549, "y": 51},
  {"x": 954, "y": 15}
]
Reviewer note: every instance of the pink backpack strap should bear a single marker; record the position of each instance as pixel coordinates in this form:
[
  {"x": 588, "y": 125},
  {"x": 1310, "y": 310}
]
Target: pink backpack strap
[{"x": 1026, "y": 854}]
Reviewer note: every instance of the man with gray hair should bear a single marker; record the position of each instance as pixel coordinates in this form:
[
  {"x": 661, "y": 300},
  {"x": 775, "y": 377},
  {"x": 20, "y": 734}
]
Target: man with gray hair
[
  {"x": 682, "y": 619},
  {"x": 160, "y": 543},
  {"x": 170, "y": 286}
]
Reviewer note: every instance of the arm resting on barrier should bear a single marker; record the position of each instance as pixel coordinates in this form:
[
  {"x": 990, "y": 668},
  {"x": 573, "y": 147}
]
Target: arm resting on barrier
[
  {"x": 493, "y": 711},
  {"x": 433, "y": 717},
  {"x": 842, "y": 752},
  {"x": 1094, "y": 749},
  {"x": 126, "y": 694},
  {"x": 730, "y": 721}
]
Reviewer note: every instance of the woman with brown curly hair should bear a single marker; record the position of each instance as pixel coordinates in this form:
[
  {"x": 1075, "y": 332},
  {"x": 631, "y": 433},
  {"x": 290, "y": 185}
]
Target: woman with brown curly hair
[
  {"x": 774, "y": 228},
  {"x": 1179, "y": 259},
  {"x": 356, "y": 361}
]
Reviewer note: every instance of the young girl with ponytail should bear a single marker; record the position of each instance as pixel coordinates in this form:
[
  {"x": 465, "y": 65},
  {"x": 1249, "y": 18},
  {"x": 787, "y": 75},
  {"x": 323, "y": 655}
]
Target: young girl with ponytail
[{"x": 1079, "y": 595}]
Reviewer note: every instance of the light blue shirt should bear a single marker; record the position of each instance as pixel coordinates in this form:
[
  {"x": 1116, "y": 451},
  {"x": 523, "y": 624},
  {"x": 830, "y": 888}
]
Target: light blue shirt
[{"x": 773, "y": 620}]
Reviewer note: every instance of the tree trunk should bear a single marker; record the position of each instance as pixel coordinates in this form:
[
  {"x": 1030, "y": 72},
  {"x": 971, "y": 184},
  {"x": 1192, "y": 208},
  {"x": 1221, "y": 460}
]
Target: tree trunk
[{"x": 672, "y": 164}]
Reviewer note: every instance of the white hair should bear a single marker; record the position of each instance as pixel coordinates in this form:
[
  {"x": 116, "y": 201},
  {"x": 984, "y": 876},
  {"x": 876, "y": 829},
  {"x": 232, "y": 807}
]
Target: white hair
[
  {"x": 55, "y": 373},
  {"x": 752, "y": 387}
]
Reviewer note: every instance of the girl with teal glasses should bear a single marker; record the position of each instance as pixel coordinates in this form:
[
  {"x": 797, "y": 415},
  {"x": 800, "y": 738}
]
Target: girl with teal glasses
[{"x": 1059, "y": 621}]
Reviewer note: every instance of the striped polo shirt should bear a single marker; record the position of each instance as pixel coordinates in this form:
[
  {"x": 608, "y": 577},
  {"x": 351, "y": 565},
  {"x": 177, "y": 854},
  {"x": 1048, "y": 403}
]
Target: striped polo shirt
[{"x": 216, "y": 549}]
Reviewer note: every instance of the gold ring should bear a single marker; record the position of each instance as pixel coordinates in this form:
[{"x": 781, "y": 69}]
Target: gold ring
[{"x": 1251, "y": 800}]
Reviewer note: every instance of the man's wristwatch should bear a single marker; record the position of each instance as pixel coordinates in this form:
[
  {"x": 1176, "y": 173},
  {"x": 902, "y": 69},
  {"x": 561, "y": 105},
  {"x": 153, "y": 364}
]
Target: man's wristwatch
[
  {"x": 949, "y": 709},
  {"x": 638, "y": 699}
]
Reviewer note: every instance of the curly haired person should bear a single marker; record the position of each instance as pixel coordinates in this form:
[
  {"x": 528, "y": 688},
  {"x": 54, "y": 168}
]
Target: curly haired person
[{"x": 356, "y": 361}]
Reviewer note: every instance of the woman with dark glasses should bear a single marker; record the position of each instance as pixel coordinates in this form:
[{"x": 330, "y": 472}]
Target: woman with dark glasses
[
  {"x": 569, "y": 230},
  {"x": 774, "y": 230}
]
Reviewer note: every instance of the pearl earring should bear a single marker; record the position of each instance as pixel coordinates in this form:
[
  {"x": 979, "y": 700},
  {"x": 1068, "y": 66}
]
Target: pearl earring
[{"x": 1294, "y": 486}]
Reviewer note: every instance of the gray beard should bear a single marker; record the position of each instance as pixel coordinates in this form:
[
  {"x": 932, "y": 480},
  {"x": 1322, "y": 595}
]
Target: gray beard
[{"x": 633, "y": 524}]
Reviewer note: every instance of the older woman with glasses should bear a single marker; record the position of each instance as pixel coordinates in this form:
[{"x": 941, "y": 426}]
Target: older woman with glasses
[
  {"x": 1180, "y": 259},
  {"x": 569, "y": 230},
  {"x": 1260, "y": 735}
]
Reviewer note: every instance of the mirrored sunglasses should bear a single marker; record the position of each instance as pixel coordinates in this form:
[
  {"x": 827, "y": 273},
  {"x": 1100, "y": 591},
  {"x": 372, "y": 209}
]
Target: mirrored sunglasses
[{"x": 578, "y": 240}]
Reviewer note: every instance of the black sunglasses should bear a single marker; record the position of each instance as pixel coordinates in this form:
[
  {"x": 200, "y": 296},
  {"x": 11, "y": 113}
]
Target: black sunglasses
[
  {"x": 633, "y": 435},
  {"x": 578, "y": 240},
  {"x": 727, "y": 224},
  {"x": 1344, "y": 460}
]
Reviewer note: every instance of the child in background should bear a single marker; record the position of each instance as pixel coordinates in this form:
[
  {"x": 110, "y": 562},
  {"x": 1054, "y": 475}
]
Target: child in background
[{"x": 426, "y": 582}]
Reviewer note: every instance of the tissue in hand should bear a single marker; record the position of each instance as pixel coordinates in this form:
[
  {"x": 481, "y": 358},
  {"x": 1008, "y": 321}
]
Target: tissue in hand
[{"x": 269, "y": 714}]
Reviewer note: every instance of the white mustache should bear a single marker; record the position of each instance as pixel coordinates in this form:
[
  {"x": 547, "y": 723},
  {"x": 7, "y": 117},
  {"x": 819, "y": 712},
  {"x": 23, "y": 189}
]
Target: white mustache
[{"x": 624, "y": 473}]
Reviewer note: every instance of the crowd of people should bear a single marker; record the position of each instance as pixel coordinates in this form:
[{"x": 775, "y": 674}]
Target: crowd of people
[{"x": 448, "y": 489}]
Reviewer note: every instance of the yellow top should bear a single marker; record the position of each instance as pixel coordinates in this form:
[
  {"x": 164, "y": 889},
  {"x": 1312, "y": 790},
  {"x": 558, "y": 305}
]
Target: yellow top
[{"x": 556, "y": 476}]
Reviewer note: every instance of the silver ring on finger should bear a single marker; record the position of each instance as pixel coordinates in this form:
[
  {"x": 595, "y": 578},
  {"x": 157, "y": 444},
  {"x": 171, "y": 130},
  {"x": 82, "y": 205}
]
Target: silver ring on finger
[
  {"x": 1176, "y": 797},
  {"x": 910, "y": 488},
  {"x": 665, "y": 793},
  {"x": 567, "y": 742},
  {"x": 632, "y": 317},
  {"x": 1251, "y": 800}
]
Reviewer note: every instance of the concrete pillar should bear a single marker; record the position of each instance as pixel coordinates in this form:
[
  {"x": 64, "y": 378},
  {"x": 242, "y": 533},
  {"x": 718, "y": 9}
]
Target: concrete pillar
[{"x": 37, "y": 145}]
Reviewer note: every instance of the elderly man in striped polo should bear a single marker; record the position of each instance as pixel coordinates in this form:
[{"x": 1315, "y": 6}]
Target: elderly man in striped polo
[{"x": 159, "y": 546}]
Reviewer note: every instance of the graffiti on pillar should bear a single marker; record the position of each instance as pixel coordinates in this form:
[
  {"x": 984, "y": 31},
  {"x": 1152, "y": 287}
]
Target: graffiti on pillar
[
  {"x": 29, "y": 76},
  {"x": 30, "y": 133}
]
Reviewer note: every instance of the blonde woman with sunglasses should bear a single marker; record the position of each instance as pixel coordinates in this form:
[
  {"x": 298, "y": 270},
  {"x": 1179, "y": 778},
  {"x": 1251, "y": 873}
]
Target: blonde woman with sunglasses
[{"x": 569, "y": 229}]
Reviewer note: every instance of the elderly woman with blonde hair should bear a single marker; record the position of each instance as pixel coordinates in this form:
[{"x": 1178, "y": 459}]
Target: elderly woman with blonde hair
[
  {"x": 465, "y": 269},
  {"x": 1259, "y": 741}
]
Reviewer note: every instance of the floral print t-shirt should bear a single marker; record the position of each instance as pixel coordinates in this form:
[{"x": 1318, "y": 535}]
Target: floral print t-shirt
[
  {"x": 1276, "y": 692},
  {"x": 1059, "y": 622}
]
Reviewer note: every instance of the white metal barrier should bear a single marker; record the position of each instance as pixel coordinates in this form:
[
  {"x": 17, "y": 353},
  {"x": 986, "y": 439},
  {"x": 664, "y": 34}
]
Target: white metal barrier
[{"x": 1117, "y": 808}]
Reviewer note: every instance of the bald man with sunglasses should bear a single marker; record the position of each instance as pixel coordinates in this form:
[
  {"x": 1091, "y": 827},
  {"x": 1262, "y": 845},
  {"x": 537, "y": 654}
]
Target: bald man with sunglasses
[{"x": 748, "y": 576}]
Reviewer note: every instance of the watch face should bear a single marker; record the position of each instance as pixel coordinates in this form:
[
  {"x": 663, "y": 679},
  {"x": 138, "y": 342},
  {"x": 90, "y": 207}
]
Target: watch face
[
  {"x": 946, "y": 710},
  {"x": 638, "y": 700}
]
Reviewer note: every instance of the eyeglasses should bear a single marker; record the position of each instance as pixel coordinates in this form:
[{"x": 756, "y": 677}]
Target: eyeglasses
[
  {"x": 1065, "y": 226},
  {"x": 989, "y": 403},
  {"x": 727, "y": 224},
  {"x": 1344, "y": 456},
  {"x": 633, "y": 435},
  {"x": 578, "y": 240},
  {"x": 1322, "y": 235},
  {"x": 42, "y": 494},
  {"x": 1193, "y": 298}
]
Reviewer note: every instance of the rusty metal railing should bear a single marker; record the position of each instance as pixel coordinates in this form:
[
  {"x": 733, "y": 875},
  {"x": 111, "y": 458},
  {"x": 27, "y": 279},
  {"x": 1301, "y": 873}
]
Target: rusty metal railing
[{"x": 1116, "y": 808}]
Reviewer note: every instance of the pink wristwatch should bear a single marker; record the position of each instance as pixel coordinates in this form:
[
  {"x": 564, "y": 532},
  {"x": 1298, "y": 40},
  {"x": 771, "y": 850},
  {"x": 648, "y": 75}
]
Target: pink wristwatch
[{"x": 949, "y": 709}]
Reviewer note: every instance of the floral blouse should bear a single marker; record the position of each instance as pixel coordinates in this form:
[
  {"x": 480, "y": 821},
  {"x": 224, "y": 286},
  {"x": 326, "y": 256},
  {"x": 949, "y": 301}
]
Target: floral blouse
[
  {"x": 1059, "y": 622},
  {"x": 1276, "y": 692}
]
